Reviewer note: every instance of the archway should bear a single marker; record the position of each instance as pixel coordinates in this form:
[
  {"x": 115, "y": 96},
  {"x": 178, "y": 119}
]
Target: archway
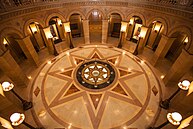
[
  {"x": 56, "y": 29},
  {"x": 178, "y": 44},
  {"x": 114, "y": 28},
  {"x": 36, "y": 35},
  {"x": 155, "y": 31},
  {"x": 10, "y": 42},
  {"x": 95, "y": 26},
  {"x": 135, "y": 24},
  {"x": 76, "y": 28}
]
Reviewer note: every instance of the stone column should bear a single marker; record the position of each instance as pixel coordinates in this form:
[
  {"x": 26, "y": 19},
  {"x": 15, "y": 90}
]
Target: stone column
[
  {"x": 61, "y": 31},
  {"x": 104, "y": 31},
  {"x": 28, "y": 49},
  {"x": 38, "y": 38},
  {"x": 152, "y": 37},
  {"x": 12, "y": 69},
  {"x": 130, "y": 30},
  {"x": 86, "y": 31},
  {"x": 162, "y": 49},
  {"x": 142, "y": 40},
  {"x": 181, "y": 66}
]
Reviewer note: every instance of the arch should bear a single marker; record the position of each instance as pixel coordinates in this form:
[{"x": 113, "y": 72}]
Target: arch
[
  {"x": 27, "y": 23},
  {"x": 184, "y": 29},
  {"x": 118, "y": 12},
  {"x": 139, "y": 15},
  {"x": 53, "y": 15},
  {"x": 88, "y": 14},
  {"x": 160, "y": 19},
  {"x": 12, "y": 30},
  {"x": 73, "y": 12}
]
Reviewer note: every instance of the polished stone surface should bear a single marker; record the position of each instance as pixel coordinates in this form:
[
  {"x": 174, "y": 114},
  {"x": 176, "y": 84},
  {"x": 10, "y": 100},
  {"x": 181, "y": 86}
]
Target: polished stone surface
[{"x": 61, "y": 102}]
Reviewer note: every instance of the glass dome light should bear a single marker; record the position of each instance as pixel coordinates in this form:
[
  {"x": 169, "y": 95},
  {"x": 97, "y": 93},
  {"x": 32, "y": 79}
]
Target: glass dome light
[
  {"x": 7, "y": 86},
  {"x": 184, "y": 85},
  {"x": 174, "y": 118},
  {"x": 17, "y": 118}
]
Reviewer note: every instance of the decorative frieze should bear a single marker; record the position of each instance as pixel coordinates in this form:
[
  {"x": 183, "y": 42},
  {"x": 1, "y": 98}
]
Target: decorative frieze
[{"x": 176, "y": 10}]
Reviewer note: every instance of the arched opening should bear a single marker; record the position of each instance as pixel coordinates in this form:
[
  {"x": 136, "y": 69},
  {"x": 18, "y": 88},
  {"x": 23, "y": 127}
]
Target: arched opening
[
  {"x": 114, "y": 27},
  {"x": 36, "y": 36},
  {"x": 10, "y": 42},
  {"x": 178, "y": 44},
  {"x": 154, "y": 34},
  {"x": 56, "y": 28},
  {"x": 134, "y": 29},
  {"x": 76, "y": 28},
  {"x": 95, "y": 26}
]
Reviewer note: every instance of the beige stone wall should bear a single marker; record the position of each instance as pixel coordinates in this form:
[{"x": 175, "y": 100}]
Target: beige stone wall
[{"x": 172, "y": 22}]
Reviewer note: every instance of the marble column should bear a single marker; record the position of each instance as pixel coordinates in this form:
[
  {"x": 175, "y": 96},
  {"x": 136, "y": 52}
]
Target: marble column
[
  {"x": 12, "y": 70},
  {"x": 130, "y": 31},
  {"x": 86, "y": 31},
  {"x": 142, "y": 40},
  {"x": 39, "y": 39},
  {"x": 28, "y": 49},
  {"x": 162, "y": 49},
  {"x": 104, "y": 31},
  {"x": 152, "y": 37},
  {"x": 61, "y": 31},
  {"x": 181, "y": 66}
]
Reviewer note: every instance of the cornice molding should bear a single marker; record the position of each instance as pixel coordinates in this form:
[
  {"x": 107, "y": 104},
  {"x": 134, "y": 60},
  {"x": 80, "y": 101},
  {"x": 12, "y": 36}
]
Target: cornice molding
[{"x": 51, "y": 5}]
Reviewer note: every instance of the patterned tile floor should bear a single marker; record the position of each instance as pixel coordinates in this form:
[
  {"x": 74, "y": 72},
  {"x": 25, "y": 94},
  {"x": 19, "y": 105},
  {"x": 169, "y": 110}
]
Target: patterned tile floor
[{"x": 61, "y": 102}]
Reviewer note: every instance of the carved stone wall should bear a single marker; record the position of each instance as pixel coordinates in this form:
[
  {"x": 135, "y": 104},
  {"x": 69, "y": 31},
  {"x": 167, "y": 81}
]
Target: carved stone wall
[{"x": 171, "y": 18}]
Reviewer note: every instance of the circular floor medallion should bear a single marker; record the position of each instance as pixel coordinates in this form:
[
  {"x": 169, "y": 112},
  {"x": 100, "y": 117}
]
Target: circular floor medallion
[{"x": 95, "y": 74}]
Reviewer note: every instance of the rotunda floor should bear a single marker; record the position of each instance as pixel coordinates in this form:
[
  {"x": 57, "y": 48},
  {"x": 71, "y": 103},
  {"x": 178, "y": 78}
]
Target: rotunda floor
[{"x": 96, "y": 87}]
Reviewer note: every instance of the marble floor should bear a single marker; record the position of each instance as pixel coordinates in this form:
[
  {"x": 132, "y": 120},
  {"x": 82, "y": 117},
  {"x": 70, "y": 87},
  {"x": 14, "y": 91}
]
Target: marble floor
[
  {"x": 130, "y": 102},
  {"x": 60, "y": 101}
]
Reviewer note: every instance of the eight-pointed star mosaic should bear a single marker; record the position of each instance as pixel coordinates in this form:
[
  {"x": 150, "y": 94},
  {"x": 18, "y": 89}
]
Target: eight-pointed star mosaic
[{"x": 96, "y": 100}]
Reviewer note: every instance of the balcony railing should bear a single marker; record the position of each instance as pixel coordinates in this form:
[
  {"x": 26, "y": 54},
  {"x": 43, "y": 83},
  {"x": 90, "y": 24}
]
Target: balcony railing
[{"x": 11, "y": 5}]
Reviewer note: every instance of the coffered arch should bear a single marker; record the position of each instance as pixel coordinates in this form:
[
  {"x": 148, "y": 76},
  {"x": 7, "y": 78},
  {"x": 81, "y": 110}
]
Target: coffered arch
[
  {"x": 95, "y": 9},
  {"x": 27, "y": 23},
  {"x": 118, "y": 12},
  {"x": 54, "y": 15},
  {"x": 75, "y": 12},
  {"x": 183, "y": 29},
  {"x": 160, "y": 19},
  {"x": 129, "y": 16},
  {"x": 4, "y": 32}
]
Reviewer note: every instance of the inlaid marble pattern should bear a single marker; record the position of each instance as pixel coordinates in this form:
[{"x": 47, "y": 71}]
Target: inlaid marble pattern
[{"x": 130, "y": 102}]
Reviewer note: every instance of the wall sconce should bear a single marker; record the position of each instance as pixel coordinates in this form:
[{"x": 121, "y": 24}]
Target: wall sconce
[
  {"x": 5, "y": 42},
  {"x": 33, "y": 28},
  {"x": 123, "y": 26},
  {"x": 131, "y": 21},
  {"x": 186, "y": 40},
  {"x": 48, "y": 33},
  {"x": 157, "y": 26},
  {"x": 67, "y": 27},
  {"x": 59, "y": 22},
  {"x": 143, "y": 32}
]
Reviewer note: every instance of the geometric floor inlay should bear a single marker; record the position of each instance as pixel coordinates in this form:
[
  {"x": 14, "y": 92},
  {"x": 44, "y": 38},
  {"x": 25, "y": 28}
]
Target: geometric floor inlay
[{"x": 96, "y": 88}]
